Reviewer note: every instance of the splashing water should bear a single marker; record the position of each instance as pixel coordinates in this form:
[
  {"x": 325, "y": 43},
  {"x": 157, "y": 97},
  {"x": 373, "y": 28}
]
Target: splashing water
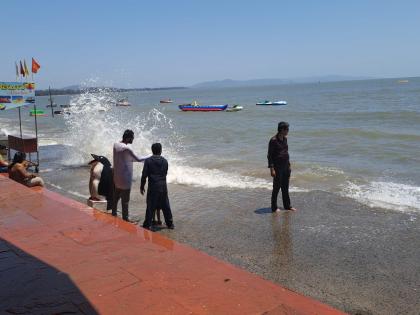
[{"x": 95, "y": 124}]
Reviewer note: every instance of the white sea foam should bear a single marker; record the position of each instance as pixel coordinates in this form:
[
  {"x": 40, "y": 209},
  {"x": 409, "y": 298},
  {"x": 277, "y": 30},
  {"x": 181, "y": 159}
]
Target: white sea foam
[
  {"x": 203, "y": 177},
  {"x": 4, "y": 132},
  {"x": 43, "y": 142},
  {"x": 387, "y": 195}
]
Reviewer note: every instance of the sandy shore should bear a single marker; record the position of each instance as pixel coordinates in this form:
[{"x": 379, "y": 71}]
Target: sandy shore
[{"x": 358, "y": 259}]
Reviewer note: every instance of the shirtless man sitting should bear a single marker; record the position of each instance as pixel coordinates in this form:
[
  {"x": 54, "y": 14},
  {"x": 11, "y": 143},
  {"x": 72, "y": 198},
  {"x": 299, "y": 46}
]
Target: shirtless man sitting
[{"x": 18, "y": 172}]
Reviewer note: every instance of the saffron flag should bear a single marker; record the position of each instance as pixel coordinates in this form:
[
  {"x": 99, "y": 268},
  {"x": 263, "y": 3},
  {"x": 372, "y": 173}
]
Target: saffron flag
[
  {"x": 25, "y": 68},
  {"x": 35, "y": 66},
  {"x": 22, "y": 72}
]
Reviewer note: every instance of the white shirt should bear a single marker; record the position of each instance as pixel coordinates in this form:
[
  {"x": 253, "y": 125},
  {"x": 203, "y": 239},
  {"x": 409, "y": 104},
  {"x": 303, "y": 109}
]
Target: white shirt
[{"x": 123, "y": 165}]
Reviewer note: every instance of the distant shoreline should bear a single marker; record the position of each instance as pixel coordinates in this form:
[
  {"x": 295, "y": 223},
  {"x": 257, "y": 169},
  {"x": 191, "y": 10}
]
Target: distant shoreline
[{"x": 99, "y": 89}]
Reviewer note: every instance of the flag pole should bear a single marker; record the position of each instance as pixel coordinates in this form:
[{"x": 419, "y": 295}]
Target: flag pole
[
  {"x": 20, "y": 124},
  {"x": 36, "y": 136},
  {"x": 51, "y": 102},
  {"x": 36, "y": 123}
]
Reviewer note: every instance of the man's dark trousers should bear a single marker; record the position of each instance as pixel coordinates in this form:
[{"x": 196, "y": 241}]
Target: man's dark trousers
[
  {"x": 281, "y": 181},
  {"x": 124, "y": 194},
  {"x": 158, "y": 200}
]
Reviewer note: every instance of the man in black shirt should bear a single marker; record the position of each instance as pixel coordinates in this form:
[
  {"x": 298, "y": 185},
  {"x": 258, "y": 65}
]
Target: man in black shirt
[
  {"x": 278, "y": 162},
  {"x": 155, "y": 168}
]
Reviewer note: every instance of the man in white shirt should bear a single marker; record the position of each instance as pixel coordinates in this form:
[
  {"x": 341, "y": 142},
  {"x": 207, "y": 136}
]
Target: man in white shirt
[{"x": 123, "y": 172}]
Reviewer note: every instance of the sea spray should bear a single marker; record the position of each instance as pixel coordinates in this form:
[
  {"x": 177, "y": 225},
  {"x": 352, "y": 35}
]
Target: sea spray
[{"x": 95, "y": 123}]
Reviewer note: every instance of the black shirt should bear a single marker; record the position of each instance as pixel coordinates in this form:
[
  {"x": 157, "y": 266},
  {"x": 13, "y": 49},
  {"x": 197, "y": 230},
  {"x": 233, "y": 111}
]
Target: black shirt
[
  {"x": 156, "y": 168},
  {"x": 278, "y": 152}
]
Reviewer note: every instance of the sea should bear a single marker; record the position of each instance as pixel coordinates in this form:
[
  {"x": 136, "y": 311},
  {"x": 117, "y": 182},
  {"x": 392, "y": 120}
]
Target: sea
[{"x": 357, "y": 139}]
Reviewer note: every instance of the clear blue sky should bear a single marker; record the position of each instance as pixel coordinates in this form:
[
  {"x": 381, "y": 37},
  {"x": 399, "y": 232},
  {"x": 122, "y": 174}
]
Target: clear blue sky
[{"x": 177, "y": 43}]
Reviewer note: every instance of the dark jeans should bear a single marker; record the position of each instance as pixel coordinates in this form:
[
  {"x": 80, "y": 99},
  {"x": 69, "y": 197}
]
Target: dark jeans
[
  {"x": 124, "y": 194},
  {"x": 157, "y": 200},
  {"x": 281, "y": 181}
]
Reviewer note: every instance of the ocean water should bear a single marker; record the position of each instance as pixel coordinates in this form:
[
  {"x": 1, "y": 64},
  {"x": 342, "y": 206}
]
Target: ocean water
[{"x": 359, "y": 139}]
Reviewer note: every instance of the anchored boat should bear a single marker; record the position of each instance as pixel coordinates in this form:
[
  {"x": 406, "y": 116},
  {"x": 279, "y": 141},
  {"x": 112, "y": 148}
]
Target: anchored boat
[
  {"x": 37, "y": 112},
  {"x": 195, "y": 107},
  {"x": 123, "y": 102},
  {"x": 272, "y": 103},
  {"x": 166, "y": 101},
  {"x": 235, "y": 108}
]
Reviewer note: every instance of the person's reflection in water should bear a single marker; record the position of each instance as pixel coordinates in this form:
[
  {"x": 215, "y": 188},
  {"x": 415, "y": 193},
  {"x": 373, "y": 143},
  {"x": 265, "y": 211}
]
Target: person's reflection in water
[
  {"x": 158, "y": 239},
  {"x": 282, "y": 249}
]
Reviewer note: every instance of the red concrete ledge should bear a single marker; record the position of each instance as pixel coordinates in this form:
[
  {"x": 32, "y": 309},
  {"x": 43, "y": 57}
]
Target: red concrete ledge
[{"x": 114, "y": 267}]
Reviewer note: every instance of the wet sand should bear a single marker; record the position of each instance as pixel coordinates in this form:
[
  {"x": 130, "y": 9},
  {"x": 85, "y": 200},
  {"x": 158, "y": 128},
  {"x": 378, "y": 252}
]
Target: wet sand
[{"x": 358, "y": 259}]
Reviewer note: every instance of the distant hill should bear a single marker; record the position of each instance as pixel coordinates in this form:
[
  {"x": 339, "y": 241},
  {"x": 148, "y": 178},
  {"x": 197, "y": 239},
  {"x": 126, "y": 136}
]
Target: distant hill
[
  {"x": 265, "y": 82},
  {"x": 76, "y": 89}
]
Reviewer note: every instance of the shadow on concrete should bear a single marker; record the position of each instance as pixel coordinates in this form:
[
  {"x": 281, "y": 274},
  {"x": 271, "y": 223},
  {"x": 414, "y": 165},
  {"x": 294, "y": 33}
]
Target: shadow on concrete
[
  {"x": 30, "y": 286},
  {"x": 263, "y": 211}
]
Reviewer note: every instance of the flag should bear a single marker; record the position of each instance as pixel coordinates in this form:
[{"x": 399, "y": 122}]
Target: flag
[
  {"x": 22, "y": 72},
  {"x": 25, "y": 68},
  {"x": 35, "y": 66},
  {"x": 17, "y": 70}
]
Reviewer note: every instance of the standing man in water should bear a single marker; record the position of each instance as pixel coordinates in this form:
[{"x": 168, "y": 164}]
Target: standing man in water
[
  {"x": 123, "y": 172},
  {"x": 156, "y": 168},
  {"x": 279, "y": 164}
]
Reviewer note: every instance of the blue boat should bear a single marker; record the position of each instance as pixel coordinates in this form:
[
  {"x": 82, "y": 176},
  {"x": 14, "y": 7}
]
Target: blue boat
[{"x": 194, "y": 107}]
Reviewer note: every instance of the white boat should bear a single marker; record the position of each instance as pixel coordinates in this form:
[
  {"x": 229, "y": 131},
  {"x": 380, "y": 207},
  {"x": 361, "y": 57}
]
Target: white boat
[
  {"x": 272, "y": 103},
  {"x": 123, "y": 102},
  {"x": 234, "y": 108}
]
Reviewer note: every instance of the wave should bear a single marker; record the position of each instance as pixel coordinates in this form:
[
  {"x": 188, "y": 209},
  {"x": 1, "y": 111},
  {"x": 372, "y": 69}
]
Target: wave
[
  {"x": 95, "y": 124},
  {"x": 389, "y": 195},
  {"x": 194, "y": 176}
]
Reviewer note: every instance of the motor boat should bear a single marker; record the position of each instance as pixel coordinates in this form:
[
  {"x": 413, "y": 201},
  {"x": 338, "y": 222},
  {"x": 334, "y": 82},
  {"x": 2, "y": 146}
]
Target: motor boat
[
  {"x": 166, "y": 101},
  {"x": 123, "y": 102},
  {"x": 272, "y": 103},
  {"x": 195, "y": 107},
  {"x": 37, "y": 112},
  {"x": 234, "y": 108}
]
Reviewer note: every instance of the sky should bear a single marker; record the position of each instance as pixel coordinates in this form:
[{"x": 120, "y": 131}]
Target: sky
[{"x": 134, "y": 44}]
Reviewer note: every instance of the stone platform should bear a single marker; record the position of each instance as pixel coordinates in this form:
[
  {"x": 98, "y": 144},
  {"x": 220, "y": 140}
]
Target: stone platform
[{"x": 60, "y": 256}]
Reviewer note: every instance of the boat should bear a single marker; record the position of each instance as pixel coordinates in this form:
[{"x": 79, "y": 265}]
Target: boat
[
  {"x": 37, "y": 112},
  {"x": 123, "y": 102},
  {"x": 52, "y": 105},
  {"x": 61, "y": 112},
  {"x": 166, "y": 101},
  {"x": 234, "y": 108},
  {"x": 403, "y": 81},
  {"x": 195, "y": 107},
  {"x": 65, "y": 106},
  {"x": 272, "y": 103}
]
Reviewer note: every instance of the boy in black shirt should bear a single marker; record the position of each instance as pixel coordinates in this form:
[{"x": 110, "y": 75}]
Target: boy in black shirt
[{"x": 155, "y": 168}]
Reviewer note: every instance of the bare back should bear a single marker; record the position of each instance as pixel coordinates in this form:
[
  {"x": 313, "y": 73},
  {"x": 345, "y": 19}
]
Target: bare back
[{"x": 19, "y": 174}]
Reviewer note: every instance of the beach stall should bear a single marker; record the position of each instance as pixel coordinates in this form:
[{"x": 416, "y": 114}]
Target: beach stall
[{"x": 14, "y": 95}]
